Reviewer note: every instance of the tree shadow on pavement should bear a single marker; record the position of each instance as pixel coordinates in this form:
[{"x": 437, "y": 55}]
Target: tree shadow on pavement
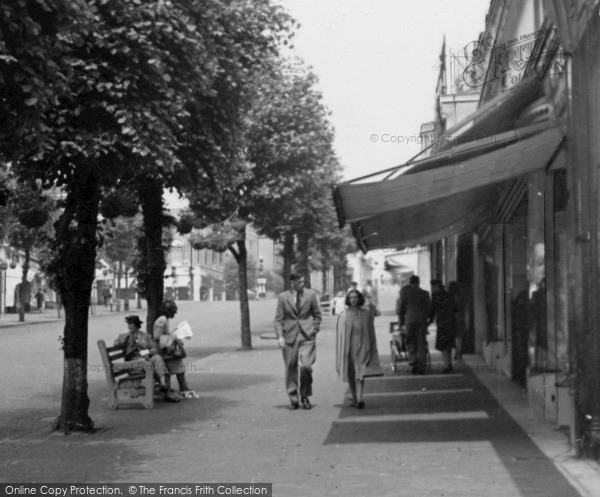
[{"x": 129, "y": 440}]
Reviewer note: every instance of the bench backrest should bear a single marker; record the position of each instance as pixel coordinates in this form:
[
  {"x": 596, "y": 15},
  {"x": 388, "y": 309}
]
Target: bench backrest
[{"x": 110, "y": 357}]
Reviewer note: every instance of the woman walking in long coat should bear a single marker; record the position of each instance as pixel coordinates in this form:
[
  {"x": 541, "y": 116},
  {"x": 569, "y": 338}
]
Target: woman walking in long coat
[
  {"x": 356, "y": 351},
  {"x": 443, "y": 311}
]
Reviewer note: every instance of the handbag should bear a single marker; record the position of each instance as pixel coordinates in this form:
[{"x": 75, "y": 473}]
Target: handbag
[{"x": 171, "y": 348}]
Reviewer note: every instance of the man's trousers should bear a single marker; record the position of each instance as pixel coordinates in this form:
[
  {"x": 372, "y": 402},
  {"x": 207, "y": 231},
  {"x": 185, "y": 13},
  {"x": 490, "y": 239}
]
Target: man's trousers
[
  {"x": 303, "y": 353},
  {"x": 416, "y": 336}
]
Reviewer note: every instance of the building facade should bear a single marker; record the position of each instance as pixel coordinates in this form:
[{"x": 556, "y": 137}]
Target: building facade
[{"x": 509, "y": 206}]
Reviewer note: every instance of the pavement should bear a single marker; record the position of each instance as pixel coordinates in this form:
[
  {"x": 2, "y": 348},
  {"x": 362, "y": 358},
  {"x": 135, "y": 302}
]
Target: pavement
[
  {"x": 469, "y": 433},
  {"x": 53, "y": 315}
]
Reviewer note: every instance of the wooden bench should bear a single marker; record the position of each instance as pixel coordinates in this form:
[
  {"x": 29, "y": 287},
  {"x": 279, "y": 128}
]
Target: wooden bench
[{"x": 129, "y": 382}]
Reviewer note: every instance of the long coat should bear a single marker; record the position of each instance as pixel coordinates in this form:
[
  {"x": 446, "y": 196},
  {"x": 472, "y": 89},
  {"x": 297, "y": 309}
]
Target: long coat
[
  {"x": 367, "y": 357},
  {"x": 443, "y": 311},
  {"x": 289, "y": 320}
]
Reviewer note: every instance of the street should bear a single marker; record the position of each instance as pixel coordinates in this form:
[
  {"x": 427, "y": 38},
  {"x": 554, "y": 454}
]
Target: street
[{"x": 448, "y": 429}]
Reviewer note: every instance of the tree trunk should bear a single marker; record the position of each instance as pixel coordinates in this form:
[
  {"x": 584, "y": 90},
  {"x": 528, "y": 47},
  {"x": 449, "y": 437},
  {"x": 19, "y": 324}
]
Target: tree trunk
[
  {"x": 118, "y": 287},
  {"x": 241, "y": 257},
  {"x": 126, "y": 299},
  {"x": 25, "y": 289},
  {"x": 75, "y": 268},
  {"x": 153, "y": 279},
  {"x": 288, "y": 259},
  {"x": 324, "y": 281},
  {"x": 303, "y": 259}
]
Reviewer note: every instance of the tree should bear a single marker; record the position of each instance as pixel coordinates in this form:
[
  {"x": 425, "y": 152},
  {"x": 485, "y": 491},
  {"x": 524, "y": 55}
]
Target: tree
[
  {"x": 106, "y": 106},
  {"x": 230, "y": 235},
  {"x": 31, "y": 81},
  {"x": 231, "y": 276},
  {"x": 330, "y": 247},
  {"x": 120, "y": 246},
  {"x": 114, "y": 114},
  {"x": 29, "y": 212},
  {"x": 291, "y": 142},
  {"x": 219, "y": 172},
  {"x": 237, "y": 37}
]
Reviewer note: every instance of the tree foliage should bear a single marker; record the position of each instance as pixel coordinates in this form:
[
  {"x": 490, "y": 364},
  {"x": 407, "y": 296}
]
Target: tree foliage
[{"x": 290, "y": 141}]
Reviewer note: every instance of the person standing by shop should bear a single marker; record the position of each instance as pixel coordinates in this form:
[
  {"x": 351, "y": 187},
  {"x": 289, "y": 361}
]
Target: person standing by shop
[
  {"x": 106, "y": 295},
  {"x": 443, "y": 311},
  {"x": 39, "y": 298},
  {"x": 297, "y": 321},
  {"x": 356, "y": 347},
  {"x": 456, "y": 294},
  {"x": 415, "y": 308}
]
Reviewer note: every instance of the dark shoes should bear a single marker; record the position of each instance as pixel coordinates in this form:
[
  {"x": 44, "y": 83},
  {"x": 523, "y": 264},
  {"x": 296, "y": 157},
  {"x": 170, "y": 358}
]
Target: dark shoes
[
  {"x": 294, "y": 405},
  {"x": 306, "y": 403},
  {"x": 447, "y": 370},
  {"x": 360, "y": 405},
  {"x": 169, "y": 397}
]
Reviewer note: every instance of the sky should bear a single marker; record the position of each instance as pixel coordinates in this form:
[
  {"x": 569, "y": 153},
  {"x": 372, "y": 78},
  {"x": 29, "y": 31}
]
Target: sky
[{"x": 377, "y": 62}]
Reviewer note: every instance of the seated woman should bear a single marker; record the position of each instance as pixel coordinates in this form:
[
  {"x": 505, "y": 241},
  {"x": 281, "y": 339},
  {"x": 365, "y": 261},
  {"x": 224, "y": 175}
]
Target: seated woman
[
  {"x": 138, "y": 344},
  {"x": 167, "y": 310}
]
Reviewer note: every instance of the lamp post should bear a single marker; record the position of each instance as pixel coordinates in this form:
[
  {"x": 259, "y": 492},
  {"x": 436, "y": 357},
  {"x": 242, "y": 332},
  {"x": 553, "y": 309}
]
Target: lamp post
[{"x": 261, "y": 280}]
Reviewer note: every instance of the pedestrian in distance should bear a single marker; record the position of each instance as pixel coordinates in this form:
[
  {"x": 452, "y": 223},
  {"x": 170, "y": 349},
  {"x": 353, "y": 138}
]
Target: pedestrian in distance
[
  {"x": 455, "y": 292},
  {"x": 339, "y": 302},
  {"x": 371, "y": 301},
  {"x": 415, "y": 308},
  {"x": 106, "y": 296},
  {"x": 356, "y": 347},
  {"x": 443, "y": 312},
  {"x": 297, "y": 321},
  {"x": 39, "y": 298}
]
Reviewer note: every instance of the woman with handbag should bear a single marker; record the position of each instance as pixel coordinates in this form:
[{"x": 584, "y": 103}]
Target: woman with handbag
[{"x": 171, "y": 348}]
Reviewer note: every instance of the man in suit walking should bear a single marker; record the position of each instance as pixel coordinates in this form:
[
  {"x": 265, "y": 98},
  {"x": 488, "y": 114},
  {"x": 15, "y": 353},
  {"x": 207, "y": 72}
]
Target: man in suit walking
[
  {"x": 297, "y": 322},
  {"x": 415, "y": 308}
]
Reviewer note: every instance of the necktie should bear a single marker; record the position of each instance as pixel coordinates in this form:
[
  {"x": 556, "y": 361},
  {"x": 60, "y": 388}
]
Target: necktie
[{"x": 298, "y": 300}]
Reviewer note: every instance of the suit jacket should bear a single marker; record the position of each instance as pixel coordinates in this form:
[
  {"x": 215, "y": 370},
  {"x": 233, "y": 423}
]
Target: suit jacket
[
  {"x": 415, "y": 305},
  {"x": 132, "y": 347},
  {"x": 289, "y": 321}
]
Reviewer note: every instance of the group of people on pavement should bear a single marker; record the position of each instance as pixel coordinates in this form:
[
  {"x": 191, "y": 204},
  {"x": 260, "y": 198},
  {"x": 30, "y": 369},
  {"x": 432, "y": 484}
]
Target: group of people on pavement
[
  {"x": 164, "y": 352},
  {"x": 298, "y": 319},
  {"x": 297, "y": 322},
  {"x": 417, "y": 310}
]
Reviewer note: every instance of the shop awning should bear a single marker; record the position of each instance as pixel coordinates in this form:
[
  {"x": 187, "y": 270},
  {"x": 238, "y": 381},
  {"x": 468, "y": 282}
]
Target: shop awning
[{"x": 450, "y": 193}]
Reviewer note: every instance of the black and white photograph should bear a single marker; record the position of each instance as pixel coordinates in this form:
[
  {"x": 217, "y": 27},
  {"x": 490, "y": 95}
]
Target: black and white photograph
[{"x": 300, "y": 248}]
